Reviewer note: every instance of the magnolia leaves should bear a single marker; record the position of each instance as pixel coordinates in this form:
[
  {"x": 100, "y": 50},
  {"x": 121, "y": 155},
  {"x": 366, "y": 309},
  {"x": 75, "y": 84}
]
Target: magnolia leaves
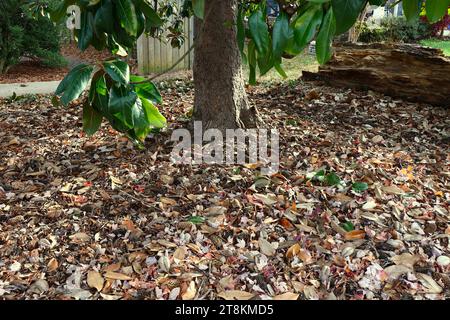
[
  {"x": 129, "y": 107},
  {"x": 346, "y": 13},
  {"x": 112, "y": 24},
  {"x": 74, "y": 83},
  {"x": 198, "y": 6},
  {"x": 436, "y": 9}
]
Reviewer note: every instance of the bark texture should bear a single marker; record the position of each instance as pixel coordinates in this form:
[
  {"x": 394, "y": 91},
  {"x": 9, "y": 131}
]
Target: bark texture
[
  {"x": 220, "y": 98},
  {"x": 405, "y": 71}
]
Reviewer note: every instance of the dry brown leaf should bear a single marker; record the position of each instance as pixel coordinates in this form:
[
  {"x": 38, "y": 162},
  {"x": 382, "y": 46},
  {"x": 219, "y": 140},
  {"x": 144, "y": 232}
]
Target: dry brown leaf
[
  {"x": 112, "y": 267},
  {"x": 190, "y": 292},
  {"x": 180, "y": 253},
  {"x": 80, "y": 237},
  {"x": 266, "y": 247},
  {"x": 95, "y": 280},
  {"x": 430, "y": 285},
  {"x": 117, "y": 276},
  {"x": 287, "y": 296},
  {"x": 235, "y": 295},
  {"x": 392, "y": 190},
  {"x": 168, "y": 201},
  {"x": 355, "y": 235},
  {"x": 293, "y": 251},
  {"x": 52, "y": 265},
  {"x": 406, "y": 259}
]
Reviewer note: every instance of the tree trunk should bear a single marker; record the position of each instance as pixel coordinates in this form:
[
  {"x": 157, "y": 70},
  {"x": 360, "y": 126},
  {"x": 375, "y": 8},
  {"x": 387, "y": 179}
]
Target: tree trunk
[
  {"x": 405, "y": 71},
  {"x": 220, "y": 98}
]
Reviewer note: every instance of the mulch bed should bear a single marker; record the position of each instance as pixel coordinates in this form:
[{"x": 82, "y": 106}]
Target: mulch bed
[
  {"x": 95, "y": 218},
  {"x": 32, "y": 71}
]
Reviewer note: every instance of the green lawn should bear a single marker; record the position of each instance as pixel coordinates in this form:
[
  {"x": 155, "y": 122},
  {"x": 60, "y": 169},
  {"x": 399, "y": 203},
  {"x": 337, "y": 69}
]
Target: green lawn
[{"x": 439, "y": 44}]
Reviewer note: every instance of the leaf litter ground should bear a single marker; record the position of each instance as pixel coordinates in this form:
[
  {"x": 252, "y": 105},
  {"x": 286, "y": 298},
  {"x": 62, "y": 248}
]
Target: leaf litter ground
[{"x": 359, "y": 209}]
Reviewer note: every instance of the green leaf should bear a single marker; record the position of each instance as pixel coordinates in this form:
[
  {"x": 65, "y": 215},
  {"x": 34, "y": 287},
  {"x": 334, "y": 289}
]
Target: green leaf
[
  {"x": 252, "y": 62},
  {"x": 305, "y": 27},
  {"x": 280, "y": 70},
  {"x": 100, "y": 96},
  {"x": 259, "y": 32},
  {"x": 199, "y": 8},
  {"x": 152, "y": 19},
  {"x": 325, "y": 38},
  {"x": 377, "y": 2},
  {"x": 346, "y": 13},
  {"x": 436, "y": 9},
  {"x": 196, "y": 220},
  {"x": 348, "y": 226},
  {"x": 121, "y": 101},
  {"x": 61, "y": 10},
  {"x": 360, "y": 186},
  {"x": 126, "y": 13},
  {"x": 153, "y": 116},
  {"x": 86, "y": 32},
  {"x": 412, "y": 9},
  {"x": 280, "y": 36},
  {"x": 332, "y": 179},
  {"x": 104, "y": 18},
  {"x": 241, "y": 34},
  {"x": 146, "y": 90},
  {"x": 118, "y": 70},
  {"x": 91, "y": 119},
  {"x": 74, "y": 83}
]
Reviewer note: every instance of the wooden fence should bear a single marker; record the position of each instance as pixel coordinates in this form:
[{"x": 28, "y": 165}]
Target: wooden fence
[{"x": 158, "y": 55}]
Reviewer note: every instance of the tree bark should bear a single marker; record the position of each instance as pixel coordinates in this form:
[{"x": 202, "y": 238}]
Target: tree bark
[
  {"x": 220, "y": 98},
  {"x": 410, "y": 72}
]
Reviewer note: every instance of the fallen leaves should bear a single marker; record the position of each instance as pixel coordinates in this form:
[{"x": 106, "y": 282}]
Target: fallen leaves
[{"x": 345, "y": 218}]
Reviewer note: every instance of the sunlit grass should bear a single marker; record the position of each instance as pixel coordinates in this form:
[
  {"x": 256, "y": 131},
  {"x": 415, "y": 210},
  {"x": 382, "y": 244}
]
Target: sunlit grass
[{"x": 444, "y": 45}]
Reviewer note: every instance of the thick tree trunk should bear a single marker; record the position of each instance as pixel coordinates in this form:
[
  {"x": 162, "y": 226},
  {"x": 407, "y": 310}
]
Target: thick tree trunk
[
  {"x": 220, "y": 98},
  {"x": 405, "y": 71}
]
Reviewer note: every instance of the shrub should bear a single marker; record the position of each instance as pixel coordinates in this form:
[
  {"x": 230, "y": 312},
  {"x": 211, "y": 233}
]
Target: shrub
[
  {"x": 394, "y": 29},
  {"x": 22, "y": 35}
]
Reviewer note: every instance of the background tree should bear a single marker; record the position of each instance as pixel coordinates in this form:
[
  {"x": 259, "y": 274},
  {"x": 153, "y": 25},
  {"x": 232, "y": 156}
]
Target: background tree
[
  {"x": 227, "y": 32},
  {"x": 23, "y": 36}
]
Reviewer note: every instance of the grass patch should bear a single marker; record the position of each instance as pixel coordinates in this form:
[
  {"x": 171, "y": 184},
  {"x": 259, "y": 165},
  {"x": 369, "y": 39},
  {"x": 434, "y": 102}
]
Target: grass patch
[{"x": 444, "y": 45}]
